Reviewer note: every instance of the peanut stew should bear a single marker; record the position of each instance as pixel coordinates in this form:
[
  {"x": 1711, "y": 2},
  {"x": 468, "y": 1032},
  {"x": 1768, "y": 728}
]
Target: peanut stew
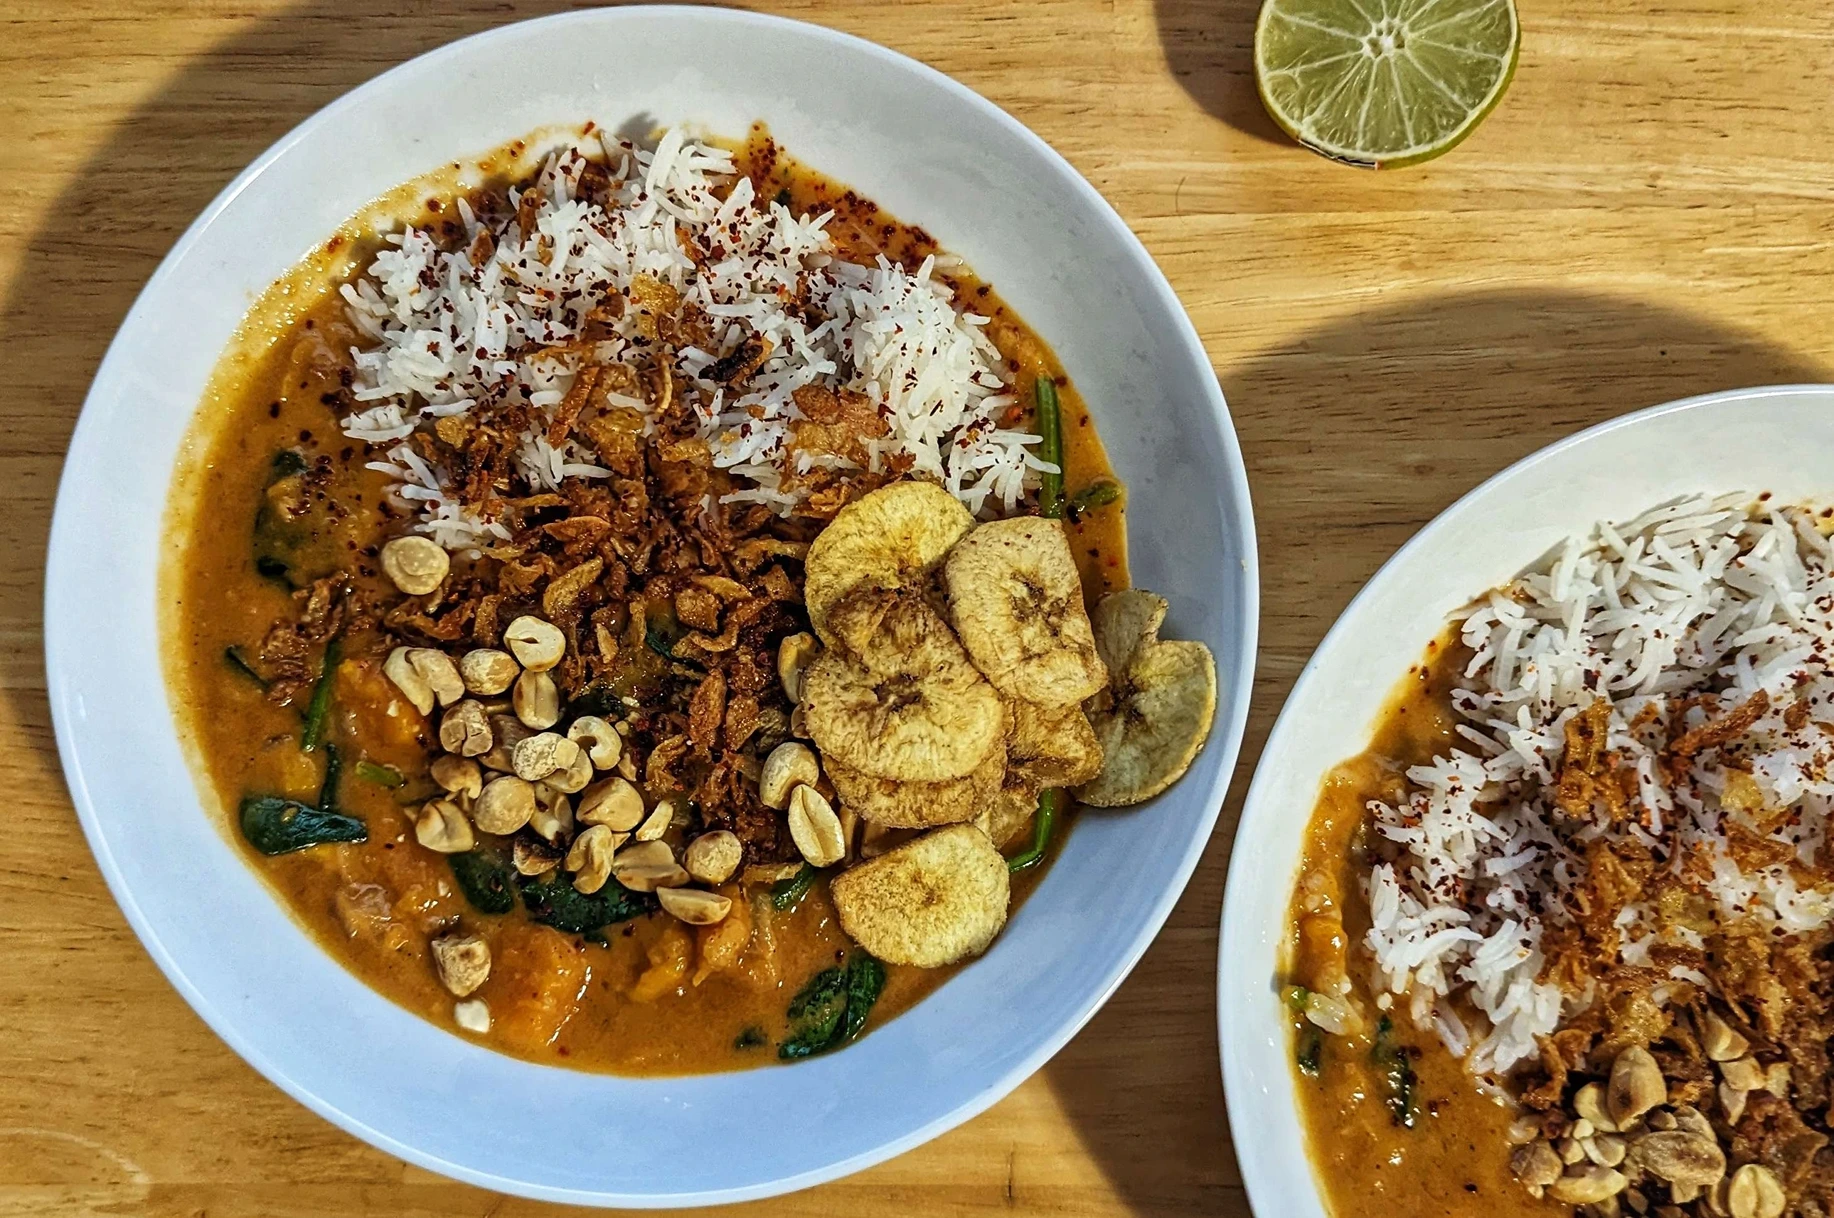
[{"x": 544, "y": 635}]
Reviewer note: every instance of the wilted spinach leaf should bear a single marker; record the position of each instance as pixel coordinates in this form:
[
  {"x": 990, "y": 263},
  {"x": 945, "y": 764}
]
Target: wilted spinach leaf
[
  {"x": 553, "y": 901},
  {"x": 1310, "y": 1051},
  {"x": 294, "y": 538},
  {"x": 865, "y": 982},
  {"x": 286, "y": 463},
  {"x": 274, "y": 825},
  {"x": 820, "y": 1010},
  {"x": 823, "y": 990},
  {"x": 788, "y": 894},
  {"x": 486, "y": 879},
  {"x": 832, "y": 1008}
]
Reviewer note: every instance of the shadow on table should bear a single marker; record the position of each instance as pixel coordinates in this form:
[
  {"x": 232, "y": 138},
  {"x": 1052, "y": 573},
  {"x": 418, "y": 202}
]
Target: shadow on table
[
  {"x": 1209, "y": 47},
  {"x": 80, "y": 272},
  {"x": 1356, "y": 435}
]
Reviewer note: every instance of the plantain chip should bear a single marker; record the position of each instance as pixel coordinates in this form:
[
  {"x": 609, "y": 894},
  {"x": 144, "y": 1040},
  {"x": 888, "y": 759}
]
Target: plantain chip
[
  {"x": 919, "y": 805},
  {"x": 929, "y": 902},
  {"x": 898, "y": 699},
  {"x": 1016, "y": 600},
  {"x": 1154, "y": 719},
  {"x": 890, "y": 539}
]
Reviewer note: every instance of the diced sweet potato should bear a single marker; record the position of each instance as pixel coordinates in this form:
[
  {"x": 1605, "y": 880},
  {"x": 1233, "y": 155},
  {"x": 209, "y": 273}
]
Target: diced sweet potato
[
  {"x": 385, "y": 721},
  {"x": 669, "y": 956},
  {"x": 537, "y": 979},
  {"x": 723, "y": 944}
]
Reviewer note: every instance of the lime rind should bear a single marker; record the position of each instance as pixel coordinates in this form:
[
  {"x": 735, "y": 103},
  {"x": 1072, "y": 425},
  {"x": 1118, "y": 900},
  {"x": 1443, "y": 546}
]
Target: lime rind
[{"x": 1384, "y": 83}]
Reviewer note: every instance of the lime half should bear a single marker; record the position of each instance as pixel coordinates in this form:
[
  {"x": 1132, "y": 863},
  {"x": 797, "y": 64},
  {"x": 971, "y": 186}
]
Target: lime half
[{"x": 1382, "y": 83}]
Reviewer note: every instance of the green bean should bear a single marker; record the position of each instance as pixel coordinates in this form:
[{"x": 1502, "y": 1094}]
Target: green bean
[
  {"x": 787, "y": 894},
  {"x": 318, "y": 710},
  {"x": 1046, "y": 820},
  {"x": 382, "y": 775},
  {"x": 1050, "y": 447},
  {"x": 334, "y": 770}
]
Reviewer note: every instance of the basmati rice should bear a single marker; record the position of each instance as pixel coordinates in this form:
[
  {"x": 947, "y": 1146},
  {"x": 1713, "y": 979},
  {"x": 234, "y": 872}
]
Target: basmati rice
[
  {"x": 1696, "y": 597},
  {"x": 441, "y": 335}
]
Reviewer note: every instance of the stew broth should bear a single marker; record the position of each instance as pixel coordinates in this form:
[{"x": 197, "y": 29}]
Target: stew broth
[{"x": 1454, "y": 1161}]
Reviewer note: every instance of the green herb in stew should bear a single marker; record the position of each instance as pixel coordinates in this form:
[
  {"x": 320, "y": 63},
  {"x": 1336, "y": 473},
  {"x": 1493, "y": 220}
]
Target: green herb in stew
[
  {"x": 597, "y": 699},
  {"x": 318, "y": 710},
  {"x": 274, "y": 825},
  {"x": 1049, "y": 804},
  {"x": 486, "y": 878},
  {"x": 1095, "y": 495},
  {"x": 788, "y": 894},
  {"x": 233, "y": 657},
  {"x": 832, "y": 1008},
  {"x": 1397, "y": 1069},
  {"x": 1310, "y": 1049},
  {"x": 1050, "y": 447},
  {"x": 334, "y": 774},
  {"x": 554, "y": 901},
  {"x": 291, "y": 542},
  {"x": 381, "y": 775}
]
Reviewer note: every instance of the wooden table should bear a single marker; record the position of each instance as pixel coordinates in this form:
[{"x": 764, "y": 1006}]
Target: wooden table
[{"x": 1648, "y": 215}]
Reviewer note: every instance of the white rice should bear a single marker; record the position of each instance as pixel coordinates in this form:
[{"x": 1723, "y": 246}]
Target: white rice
[
  {"x": 440, "y": 334},
  {"x": 1697, "y": 596}
]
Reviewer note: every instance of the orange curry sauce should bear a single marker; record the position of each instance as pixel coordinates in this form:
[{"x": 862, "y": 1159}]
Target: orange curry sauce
[{"x": 1454, "y": 1162}]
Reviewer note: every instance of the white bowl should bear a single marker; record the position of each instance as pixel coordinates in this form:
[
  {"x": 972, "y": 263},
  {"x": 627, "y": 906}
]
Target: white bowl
[
  {"x": 930, "y": 151},
  {"x": 1778, "y": 439}
]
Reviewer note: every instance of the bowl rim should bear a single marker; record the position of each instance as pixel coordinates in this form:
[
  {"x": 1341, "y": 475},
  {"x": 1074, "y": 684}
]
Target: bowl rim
[
  {"x": 1231, "y": 486},
  {"x": 1270, "y": 1187}
]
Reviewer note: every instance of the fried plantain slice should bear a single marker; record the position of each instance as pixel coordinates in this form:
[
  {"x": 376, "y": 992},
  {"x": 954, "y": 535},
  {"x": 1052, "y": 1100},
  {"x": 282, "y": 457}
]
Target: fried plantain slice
[
  {"x": 1156, "y": 716},
  {"x": 1051, "y": 747},
  {"x": 897, "y": 698},
  {"x": 1045, "y": 748},
  {"x": 1017, "y": 603},
  {"x": 920, "y": 805},
  {"x": 889, "y": 539},
  {"x": 929, "y": 902}
]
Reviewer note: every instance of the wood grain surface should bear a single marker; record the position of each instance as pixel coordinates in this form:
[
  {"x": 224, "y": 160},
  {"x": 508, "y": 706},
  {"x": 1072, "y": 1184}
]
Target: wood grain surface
[{"x": 1648, "y": 215}]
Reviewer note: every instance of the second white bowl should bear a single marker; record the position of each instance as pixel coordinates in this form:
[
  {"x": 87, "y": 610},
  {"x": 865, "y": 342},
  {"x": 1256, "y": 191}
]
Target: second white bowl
[{"x": 1777, "y": 439}]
